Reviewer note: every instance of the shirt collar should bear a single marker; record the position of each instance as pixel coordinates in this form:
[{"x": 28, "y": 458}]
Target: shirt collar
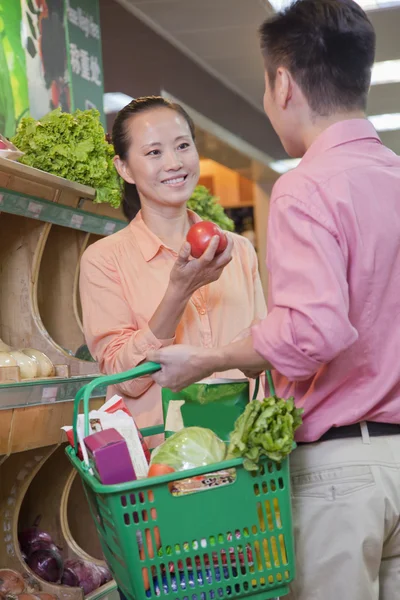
[
  {"x": 341, "y": 133},
  {"x": 148, "y": 242}
]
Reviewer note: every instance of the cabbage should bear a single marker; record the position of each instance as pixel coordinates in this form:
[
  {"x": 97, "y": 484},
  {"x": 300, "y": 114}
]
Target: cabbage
[{"x": 189, "y": 448}]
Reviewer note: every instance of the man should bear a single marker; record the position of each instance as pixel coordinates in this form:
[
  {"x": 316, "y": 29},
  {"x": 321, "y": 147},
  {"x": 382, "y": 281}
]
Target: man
[{"x": 333, "y": 328}]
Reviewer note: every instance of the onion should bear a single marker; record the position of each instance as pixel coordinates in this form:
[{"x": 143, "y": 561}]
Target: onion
[
  {"x": 6, "y": 360},
  {"x": 11, "y": 583},
  {"x": 47, "y": 564},
  {"x": 46, "y": 367},
  {"x": 70, "y": 578},
  {"x": 88, "y": 574},
  {"x": 105, "y": 573},
  {"x": 33, "y": 539},
  {"x": 27, "y": 366}
]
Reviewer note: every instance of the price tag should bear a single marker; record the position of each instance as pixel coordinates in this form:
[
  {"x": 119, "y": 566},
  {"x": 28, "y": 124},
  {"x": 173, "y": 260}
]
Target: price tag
[
  {"x": 34, "y": 209},
  {"x": 76, "y": 221},
  {"x": 49, "y": 394},
  {"x": 109, "y": 227}
]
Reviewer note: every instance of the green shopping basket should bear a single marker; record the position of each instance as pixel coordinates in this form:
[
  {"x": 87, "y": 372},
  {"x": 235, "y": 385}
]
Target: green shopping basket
[{"x": 231, "y": 541}]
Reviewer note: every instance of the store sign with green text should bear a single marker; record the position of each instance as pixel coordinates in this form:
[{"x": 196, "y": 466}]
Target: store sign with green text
[{"x": 50, "y": 56}]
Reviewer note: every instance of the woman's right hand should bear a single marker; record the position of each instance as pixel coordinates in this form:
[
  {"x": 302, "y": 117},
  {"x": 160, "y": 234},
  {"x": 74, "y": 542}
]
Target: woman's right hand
[{"x": 190, "y": 274}]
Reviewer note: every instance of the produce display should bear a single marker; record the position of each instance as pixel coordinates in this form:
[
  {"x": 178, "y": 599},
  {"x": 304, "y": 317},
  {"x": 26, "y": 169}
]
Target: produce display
[
  {"x": 199, "y": 236},
  {"x": 32, "y": 363},
  {"x": 45, "y": 559},
  {"x": 208, "y": 208},
  {"x": 14, "y": 586},
  {"x": 72, "y": 146}
]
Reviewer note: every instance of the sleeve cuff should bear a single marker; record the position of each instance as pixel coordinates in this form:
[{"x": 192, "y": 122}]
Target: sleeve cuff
[
  {"x": 148, "y": 341},
  {"x": 273, "y": 340}
]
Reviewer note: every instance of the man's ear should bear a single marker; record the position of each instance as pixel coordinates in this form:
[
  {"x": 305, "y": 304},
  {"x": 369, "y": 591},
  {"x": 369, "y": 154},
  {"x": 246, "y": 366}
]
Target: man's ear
[
  {"x": 283, "y": 87},
  {"x": 123, "y": 169}
]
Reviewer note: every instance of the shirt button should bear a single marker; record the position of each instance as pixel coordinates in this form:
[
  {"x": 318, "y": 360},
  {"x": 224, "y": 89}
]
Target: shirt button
[{"x": 202, "y": 311}]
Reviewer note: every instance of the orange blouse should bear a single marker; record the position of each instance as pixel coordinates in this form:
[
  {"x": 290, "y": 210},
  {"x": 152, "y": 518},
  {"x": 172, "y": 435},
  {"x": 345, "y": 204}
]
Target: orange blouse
[{"x": 123, "y": 279}]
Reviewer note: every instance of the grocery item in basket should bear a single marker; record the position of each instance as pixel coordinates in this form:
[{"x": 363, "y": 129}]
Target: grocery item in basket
[
  {"x": 189, "y": 448},
  {"x": 192, "y": 579},
  {"x": 109, "y": 454},
  {"x": 211, "y": 403},
  {"x": 201, "y": 483},
  {"x": 265, "y": 429},
  {"x": 114, "y": 414}
]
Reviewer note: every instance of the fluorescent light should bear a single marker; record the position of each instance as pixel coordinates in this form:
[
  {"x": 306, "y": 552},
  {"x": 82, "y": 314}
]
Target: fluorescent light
[
  {"x": 278, "y": 5},
  {"x": 387, "y": 71},
  {"x": 390, "y": 122},
  {"x": 114, "y": 101},
  {"x": 282, "y": 166}
]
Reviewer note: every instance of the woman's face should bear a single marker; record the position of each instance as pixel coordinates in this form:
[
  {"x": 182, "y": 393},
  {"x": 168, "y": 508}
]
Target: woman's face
[{"x": 162, "y": 159}]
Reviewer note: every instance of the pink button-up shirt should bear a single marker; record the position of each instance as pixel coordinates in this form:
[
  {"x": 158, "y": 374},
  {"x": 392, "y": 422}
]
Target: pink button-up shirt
[{"x": 333, "y": 328}]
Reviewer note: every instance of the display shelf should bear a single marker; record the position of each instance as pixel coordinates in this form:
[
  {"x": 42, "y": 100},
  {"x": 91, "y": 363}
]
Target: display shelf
[
  {"x": 32, "y": 483},
  {"x": 34, "y": 207},
  {"x": 44, "y": 391}
]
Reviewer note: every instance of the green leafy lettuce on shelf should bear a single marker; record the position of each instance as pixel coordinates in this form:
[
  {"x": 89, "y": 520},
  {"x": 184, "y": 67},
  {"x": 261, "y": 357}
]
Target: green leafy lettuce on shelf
[
  {"x": 207, "y": 207},
  {"x": 71, "y": 146}
]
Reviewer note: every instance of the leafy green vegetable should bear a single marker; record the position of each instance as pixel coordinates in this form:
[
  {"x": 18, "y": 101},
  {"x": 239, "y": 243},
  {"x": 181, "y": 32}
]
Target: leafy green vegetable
[
  {"x": 208, "y": 208},
  {"x": 71, "y": 146},
  {"x": 189, "y": 448},
  {"x": 265, "y": 428}
]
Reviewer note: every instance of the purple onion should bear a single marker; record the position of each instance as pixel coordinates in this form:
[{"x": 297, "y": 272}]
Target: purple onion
[{"x": 47, "y": 564}]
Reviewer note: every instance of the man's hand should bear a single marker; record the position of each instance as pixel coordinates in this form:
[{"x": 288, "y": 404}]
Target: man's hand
[{"x": 181, "y": 366}]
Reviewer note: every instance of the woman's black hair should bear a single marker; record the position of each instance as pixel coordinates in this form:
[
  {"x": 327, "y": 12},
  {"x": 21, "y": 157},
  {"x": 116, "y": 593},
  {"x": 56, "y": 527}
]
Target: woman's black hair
[{"x": 121, "y": 141}]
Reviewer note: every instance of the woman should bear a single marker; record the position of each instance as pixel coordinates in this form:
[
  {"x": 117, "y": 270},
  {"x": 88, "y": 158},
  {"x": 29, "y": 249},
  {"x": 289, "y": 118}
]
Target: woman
[{"x": 140, "y": 290}]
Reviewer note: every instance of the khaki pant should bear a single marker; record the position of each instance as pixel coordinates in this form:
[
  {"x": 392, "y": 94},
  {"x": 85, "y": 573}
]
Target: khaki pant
[{"x": 346, "y": 509}]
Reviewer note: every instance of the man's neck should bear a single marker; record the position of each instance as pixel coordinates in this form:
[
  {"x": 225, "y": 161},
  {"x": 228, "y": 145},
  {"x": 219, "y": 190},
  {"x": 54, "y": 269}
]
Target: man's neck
[{"x": 318, "y": 125}]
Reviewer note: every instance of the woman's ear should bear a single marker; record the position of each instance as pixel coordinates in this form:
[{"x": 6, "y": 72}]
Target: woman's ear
[{"x": 123, "y": 169}]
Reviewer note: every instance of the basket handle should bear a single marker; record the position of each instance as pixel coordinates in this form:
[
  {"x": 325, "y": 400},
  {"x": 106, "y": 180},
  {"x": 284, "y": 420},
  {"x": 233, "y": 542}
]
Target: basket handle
[
  {"x": 268, "y": 377},
  {"x": 86, "y": 391}
]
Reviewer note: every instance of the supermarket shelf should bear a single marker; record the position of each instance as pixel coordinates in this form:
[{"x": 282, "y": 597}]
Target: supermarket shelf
[
  {"x": 50, "y": 391},
  {"x": 107, "y": 592},
  {"x": 57, "y": 214},
  {"x": 15, "y": 169}
]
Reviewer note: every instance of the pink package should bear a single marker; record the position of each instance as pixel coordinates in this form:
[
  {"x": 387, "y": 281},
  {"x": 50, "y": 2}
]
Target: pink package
[{"x": 109, "y": 453}]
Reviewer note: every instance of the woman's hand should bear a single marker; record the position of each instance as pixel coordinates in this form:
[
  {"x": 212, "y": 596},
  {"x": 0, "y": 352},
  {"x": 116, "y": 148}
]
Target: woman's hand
[{"x": 190, "y": 274}]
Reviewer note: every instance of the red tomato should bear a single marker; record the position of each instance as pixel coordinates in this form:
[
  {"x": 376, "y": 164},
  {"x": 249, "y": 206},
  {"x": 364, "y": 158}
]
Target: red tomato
[
  {"x": 199, "y": 237},
  {"x": 157, "y": 470}
]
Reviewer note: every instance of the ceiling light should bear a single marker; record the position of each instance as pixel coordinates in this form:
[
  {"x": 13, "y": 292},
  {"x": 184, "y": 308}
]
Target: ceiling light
[
  {"x": 365, "y": 4},
  {"x": 390, "y": 122},
  {"x": 115, "y": 101},
  {"x": 282, "y": 166},
  {"x": 387, "y": 71}
]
